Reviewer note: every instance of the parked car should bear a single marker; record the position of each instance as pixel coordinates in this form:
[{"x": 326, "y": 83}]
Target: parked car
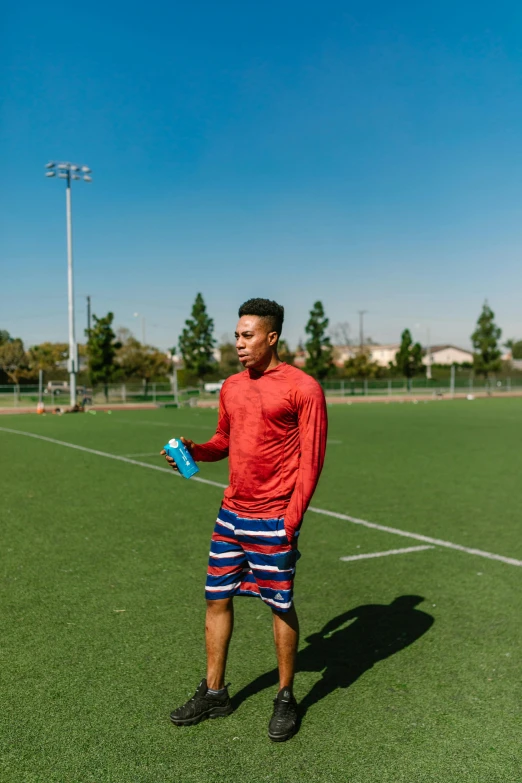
[
  {"x": 57, "y": 387},
  {"x": 213, "y": 388}
]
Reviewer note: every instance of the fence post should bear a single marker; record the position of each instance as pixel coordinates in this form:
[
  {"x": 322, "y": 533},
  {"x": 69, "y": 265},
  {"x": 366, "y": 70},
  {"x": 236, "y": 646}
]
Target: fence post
[
  {"x": 175, "y": 386},
  {"x": 15, "y": 391},
  {"x": 508, "y": 384},
  {"x": 389, "y": 387},
  {"x": 123, "y": 393},
  {"x": 154, "y": 393},
  {"x": 342, "y": 388},
  {"x": 452, "y": 381},
  {"x": 366, "y": 387}
]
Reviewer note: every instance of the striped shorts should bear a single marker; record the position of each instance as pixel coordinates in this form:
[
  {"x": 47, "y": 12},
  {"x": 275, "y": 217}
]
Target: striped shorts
[{"x": 251, "y": 557}]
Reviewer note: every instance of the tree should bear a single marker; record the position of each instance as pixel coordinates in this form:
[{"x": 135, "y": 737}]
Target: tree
[
  {"x": 101, "y": 351},
  {"x": 141, "y": 361},
  {"x": 409, "y": 357},
  {"x": 228, "y": 362},
  {"x": 486, "y": 354},
  {"x": 196, "y": 342},
  {"x": 319, "y": 362},
  {"x": 48, "y": 356},
  {"x": 340, "y": 334},
  {"x": 284, "y": 352},
  {"x": 13, "y": 359},
  {"x": 361, "y": 366},
  {"x": 130, "y": 354},
  {"x": 516, "y": 348},
  {"x": 5, "y": 337}
]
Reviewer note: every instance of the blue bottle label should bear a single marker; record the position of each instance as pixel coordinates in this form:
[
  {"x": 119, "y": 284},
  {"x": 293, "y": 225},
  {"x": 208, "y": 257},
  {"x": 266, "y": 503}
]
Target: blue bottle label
[{"x": 180, "y": 454}]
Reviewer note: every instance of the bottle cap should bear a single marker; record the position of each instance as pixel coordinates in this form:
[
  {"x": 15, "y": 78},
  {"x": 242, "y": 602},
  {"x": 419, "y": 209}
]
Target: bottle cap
[{"x": 174, "y": 443}]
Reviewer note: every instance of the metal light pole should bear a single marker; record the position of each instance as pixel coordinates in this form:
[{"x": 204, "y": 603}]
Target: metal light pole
[
  {"x": 361, "y": 329},
  {"x": 428, "y": 355},
  {"x": 70, "y": 171}
]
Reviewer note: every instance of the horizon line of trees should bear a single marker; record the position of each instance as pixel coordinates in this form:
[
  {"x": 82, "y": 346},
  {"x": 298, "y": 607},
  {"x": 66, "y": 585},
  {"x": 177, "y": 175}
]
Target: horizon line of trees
[{"x": 118, "y": 356}]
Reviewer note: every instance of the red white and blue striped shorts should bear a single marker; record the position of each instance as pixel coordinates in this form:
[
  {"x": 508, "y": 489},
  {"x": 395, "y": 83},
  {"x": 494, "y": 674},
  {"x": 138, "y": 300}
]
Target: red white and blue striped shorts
[{"x": 251, "y": 557}]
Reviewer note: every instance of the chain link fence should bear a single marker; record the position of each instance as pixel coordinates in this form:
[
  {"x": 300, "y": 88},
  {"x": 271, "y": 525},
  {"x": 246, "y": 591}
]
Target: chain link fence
[
  {"x": 26, "y": 396},
  {"x": 420, "y": 386}
]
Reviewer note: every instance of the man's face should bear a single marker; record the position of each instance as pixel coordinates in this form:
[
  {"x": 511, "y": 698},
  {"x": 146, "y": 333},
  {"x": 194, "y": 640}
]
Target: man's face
[{"x": 254, "y": 341}]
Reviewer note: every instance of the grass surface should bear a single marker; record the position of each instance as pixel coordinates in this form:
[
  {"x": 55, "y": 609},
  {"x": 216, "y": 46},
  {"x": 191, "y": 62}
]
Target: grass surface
[{"x": 102, "y": 572}]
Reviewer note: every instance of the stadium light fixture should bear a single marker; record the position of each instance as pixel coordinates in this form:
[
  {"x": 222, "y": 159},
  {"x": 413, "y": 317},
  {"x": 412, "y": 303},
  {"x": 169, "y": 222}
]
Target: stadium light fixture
[{"x": 69, "y": 171}]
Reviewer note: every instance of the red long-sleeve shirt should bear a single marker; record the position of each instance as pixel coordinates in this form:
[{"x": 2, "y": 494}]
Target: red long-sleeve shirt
[{"x": 273, "y": 428}]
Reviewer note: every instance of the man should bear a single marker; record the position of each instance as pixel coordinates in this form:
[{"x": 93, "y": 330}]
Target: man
[{"x": 272, "y": 425}]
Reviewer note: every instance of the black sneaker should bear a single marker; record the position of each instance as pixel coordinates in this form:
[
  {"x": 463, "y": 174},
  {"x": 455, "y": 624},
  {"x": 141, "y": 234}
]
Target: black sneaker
[
  {"x": 201, "y": 706},
  {"x": 283, "y": 723}
]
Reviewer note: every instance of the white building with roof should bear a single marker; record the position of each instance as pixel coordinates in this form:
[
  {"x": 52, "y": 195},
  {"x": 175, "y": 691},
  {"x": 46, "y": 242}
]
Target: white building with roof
[
  {"x": 381, "y": 354},
  {"x": 448, "y": 355}
]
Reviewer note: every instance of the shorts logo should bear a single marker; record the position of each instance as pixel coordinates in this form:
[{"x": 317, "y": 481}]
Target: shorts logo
[{"x": 278, "y": 597}]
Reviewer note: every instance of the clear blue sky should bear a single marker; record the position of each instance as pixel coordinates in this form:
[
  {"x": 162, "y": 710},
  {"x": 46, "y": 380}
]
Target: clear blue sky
[{"x": 368, "y": 154}]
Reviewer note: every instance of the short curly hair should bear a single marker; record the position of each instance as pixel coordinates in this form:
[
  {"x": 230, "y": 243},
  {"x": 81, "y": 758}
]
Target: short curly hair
[{"x": 265, "y": 308}]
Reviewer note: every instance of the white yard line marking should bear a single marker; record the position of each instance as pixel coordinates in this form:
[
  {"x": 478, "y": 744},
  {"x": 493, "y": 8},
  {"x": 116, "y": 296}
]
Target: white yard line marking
[
  {"x": 384, "y": 554},
  {"x": 417, "y": 536},
  {"x": 372, "y": 525},
  {"x": 110, "y": 456},
  {"x": 331, "y": 440}
]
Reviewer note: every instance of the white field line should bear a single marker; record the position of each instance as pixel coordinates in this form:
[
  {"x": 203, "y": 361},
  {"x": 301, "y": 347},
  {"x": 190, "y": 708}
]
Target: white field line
[
  {"x": 417, "y": 536},
  {"x": 372, "y": 525},
  {"x": 110, "y": 456},
  {"x": 384, "y": 554}
]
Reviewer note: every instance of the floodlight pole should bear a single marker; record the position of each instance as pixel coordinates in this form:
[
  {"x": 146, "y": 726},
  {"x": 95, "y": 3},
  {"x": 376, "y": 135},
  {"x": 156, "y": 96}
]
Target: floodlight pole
[
  {"x": 73, "y": 355},
  {"x": 361, "y": 329},
  {"x": 70, "y": 171}
]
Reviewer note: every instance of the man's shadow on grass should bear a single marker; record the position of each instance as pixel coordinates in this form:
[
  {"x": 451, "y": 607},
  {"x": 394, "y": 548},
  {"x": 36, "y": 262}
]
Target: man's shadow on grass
[{"x": 343, "y": 654}]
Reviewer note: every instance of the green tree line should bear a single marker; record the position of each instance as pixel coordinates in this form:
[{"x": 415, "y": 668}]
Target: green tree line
[{"x": 117, "y": 356}]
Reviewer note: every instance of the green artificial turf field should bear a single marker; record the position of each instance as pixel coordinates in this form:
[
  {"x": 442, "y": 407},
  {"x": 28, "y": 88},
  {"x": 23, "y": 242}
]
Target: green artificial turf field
[{"x": 103, "y": 564}]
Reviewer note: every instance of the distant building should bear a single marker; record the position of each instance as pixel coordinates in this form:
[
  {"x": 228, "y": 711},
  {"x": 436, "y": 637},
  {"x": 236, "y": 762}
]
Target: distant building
[
  {"x": 448, "y": 355},
  {"x": 383, "y": 354},
  {"x": 380, "y": 354}
]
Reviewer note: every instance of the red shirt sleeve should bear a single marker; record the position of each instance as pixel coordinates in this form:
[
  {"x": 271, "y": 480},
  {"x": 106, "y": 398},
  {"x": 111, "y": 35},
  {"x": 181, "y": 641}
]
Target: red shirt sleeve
[
  {"x": 217, "y": 447},
  {"x": 313, "y": 430}
]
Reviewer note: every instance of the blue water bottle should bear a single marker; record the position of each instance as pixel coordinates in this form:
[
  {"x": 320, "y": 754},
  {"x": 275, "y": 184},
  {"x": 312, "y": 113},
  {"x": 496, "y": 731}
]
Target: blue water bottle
[{"x": 181, "y": 456}]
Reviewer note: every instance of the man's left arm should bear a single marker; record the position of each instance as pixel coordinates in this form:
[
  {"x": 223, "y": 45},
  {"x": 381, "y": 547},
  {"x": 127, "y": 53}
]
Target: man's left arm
[{"x": 313, "y": 429}]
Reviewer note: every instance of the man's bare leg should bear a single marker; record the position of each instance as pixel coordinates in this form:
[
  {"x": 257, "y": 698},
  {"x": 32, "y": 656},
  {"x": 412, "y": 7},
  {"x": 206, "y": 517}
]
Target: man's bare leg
[
  {"x": 286, "y": 637},
  {"x": 219, "y": 624}
]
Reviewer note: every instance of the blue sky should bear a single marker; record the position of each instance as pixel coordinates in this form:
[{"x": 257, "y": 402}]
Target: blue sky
[{"x": 368, "y": 154}]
